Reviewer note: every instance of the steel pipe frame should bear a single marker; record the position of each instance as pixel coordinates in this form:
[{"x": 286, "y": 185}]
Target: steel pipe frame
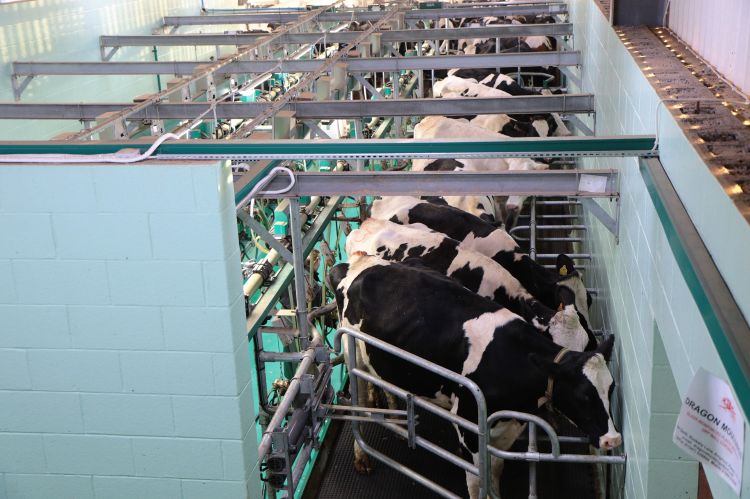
[
  {"x": 482, "y": 468},
  {"x": 355, "y": 65},
  {"x": 414, "y": 35},
  {"x": 313, "y": 110},
  {"x": 206, "y": 71},
  {"x": 364, "y": 15}
]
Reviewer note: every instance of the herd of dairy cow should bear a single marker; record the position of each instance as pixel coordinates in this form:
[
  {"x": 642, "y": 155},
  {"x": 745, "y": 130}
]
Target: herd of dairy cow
[{"x": 440, "y": 278}]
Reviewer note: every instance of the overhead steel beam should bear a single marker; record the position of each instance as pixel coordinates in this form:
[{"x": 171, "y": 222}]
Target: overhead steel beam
[
  {"x": 363, "y": 65},
  {"x": 416, "y": 35},
  {"x": 631, "y": 146},
  {"x": 502, "y": 183},
  {"x": 533, "y": 104},
  {"x": 364, "y": 15}
]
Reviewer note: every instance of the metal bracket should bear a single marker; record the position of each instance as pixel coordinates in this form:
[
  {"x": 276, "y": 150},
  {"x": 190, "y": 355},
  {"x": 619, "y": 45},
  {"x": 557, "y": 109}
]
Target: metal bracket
[
  {"x": 265, "y": 235},
  {"x": 107, "y": 55},
  {"x": 316, "y": 130},
  {"x": 580, "y": 125},
  {"x": 612, "y": 224},
  {"x": 370, "y": 88},
  {"x": 18, "y": 88}
]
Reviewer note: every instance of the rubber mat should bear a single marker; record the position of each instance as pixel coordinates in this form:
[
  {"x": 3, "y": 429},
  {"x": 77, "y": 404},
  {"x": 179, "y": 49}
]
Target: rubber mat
[{"x": 341, "y": 481}]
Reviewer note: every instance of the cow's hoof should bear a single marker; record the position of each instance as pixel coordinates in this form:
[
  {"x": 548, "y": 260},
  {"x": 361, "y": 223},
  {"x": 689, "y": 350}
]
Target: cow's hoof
[{"x": 362, "y": 465}]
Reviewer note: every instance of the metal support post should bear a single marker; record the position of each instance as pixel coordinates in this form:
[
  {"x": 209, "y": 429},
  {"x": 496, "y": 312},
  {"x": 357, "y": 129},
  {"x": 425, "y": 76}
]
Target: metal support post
[{"x": 300, "y": 283}]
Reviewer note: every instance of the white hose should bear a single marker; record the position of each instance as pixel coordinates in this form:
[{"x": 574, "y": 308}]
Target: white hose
[
  {"x": 122, "y": 158},
  {"x": 265, "y": 181}
]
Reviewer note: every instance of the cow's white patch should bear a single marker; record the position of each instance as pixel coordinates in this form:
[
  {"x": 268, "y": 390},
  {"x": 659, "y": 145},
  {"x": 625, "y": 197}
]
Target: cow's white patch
[
  {"x": 480, "y": 332},
  {"x": 476, "y": 205},
  {"x": 575, "y": 284},
  {"x": 595, "y": 370},
  {"x": 493, "y": 122},
  {"x": 357, "y": 265},
  {"x": 536, "y": 42},
  {"x": 541, "y": 127},
  {"x": 496, "y": 241},
  {"x": 566, "y": 330},
  {"x": 495, "y": 275},
  {"x": 375, "y": 233},
  {"x": 398, "y": 206}
]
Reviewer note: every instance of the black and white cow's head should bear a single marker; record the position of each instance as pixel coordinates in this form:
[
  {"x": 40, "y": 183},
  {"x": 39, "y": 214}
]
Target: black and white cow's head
[
  {"x": 570, "y": 289},
  {"x": 582, "y": 391}
]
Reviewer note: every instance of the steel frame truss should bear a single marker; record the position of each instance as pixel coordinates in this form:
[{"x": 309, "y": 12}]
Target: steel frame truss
[
  {"x": 396, "y": 36},
  {"x": 304, "y": 110},
  {"x": 374, "y": 16}
]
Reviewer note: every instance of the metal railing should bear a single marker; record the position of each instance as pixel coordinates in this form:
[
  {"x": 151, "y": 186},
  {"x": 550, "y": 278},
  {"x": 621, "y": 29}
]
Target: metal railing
[{"x": 480, "y": 428}]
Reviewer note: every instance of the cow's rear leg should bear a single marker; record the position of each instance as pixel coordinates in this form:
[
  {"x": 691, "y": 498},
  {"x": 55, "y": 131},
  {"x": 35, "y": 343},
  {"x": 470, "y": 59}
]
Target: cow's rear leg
[{"x": 362, "y": 462}]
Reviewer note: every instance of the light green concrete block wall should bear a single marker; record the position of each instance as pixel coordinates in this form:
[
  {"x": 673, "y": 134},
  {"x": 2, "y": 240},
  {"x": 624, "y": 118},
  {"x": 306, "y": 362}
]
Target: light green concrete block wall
[
  {"x": 643, "y": 296},
  {"x": 124, "y": 365},
  {"x": 69, "y": 30}
]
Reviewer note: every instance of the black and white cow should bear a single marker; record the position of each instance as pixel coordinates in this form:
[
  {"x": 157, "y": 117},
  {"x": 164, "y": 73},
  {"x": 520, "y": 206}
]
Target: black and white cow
[
  {"x": 436, "y": 318},
  {"x": 456, "y": 87},
  {"x": 551, "y": 288},
  {"x": 432, "y": 127},
  {"x": 417, "y": 245},
  {"x": 489, "y": 83}
]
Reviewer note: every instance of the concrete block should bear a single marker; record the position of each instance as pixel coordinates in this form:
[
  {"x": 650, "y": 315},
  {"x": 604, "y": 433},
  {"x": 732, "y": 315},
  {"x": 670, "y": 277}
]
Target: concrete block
[
  {"x": 14, "y": 370},
  {"x": 26, "y": 235},
  {"x": 204, "y": 489},
  {"x": 213, "y": 187},
  {"x": 89, "y": 454},
  {"x": 235, "y": 467},
  {"x": 56, "y": 282},
  {"x": 7, "y": 283},
  {"x": 102, "y": 236},
  {"x": 682, "y": 477},
  {"x": 144, "y": 188},
  {"x": 111, "y": 487},
  {"x": 40, "y": 412},
  {"x": 660, "y": 444},
  {"x": 75, "y": 370},
  {"x": 223, "y": 280},
  {"x": 116, "y": 327},
  {"x": 22, "y": 453},
  {"x": 664, "y": 395},
  {"x": 155, "y": 283},
  {"x": 178, "y": 458},
  {"x": 28, "y": 486},
  {"x": 167, "y": 372},
  {"x": 127, "y": 414},
  {"x": 58, "y": 189},
  {"x": 199, "y": 329},
  {"x": 34, "y": 326},
  {"x": 187, "y": 236},
  {"x": 231, "y": 371},
  {"x": 207, "y": 417}
]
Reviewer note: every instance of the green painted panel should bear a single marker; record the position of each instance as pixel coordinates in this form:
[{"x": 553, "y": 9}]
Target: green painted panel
[{"x": 624, "y": 145}]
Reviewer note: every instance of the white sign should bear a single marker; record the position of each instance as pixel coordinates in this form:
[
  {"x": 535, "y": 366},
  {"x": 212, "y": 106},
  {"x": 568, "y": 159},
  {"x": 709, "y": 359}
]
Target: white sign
[
  {"x": 592, "y": 183},
  {"x": 711, "y": 427}
]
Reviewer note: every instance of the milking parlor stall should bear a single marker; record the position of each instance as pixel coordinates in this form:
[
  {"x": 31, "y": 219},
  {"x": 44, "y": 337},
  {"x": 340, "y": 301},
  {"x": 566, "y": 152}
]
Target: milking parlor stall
[{"x": 372, "y": 250}]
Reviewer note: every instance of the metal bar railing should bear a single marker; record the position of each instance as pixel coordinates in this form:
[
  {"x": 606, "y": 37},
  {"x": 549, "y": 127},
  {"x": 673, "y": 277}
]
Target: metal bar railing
[{"x": 481, "y": 469}]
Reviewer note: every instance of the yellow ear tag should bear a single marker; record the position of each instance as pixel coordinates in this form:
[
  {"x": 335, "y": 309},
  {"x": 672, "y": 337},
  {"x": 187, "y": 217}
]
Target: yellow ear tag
[
  {"x": 564, "y": 270},
  {"x": 560, "y": 308}
]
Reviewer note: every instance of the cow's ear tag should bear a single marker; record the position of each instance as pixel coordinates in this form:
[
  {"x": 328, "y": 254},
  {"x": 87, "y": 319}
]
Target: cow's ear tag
[
  {"x": 560, "y": 308},
  {"x": 564, "y": 270}
]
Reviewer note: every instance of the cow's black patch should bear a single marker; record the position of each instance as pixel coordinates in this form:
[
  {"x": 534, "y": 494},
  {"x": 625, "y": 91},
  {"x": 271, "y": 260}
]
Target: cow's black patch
[{"x": 470, "y": 278}]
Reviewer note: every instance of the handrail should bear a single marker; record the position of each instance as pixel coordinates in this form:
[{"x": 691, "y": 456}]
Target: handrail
[{"x": 726, "y": 324}]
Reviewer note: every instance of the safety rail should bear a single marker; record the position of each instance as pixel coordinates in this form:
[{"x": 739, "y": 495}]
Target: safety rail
[{"x": 481, "y": 428}]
